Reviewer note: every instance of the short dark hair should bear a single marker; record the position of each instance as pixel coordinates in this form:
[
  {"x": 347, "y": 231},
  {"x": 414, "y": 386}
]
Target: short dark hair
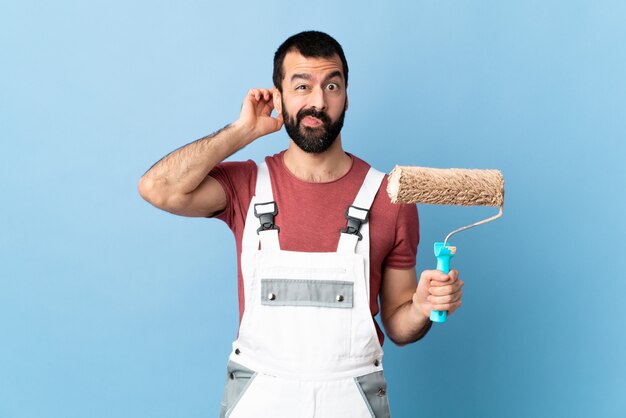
[{"x": 311, "y": 44}]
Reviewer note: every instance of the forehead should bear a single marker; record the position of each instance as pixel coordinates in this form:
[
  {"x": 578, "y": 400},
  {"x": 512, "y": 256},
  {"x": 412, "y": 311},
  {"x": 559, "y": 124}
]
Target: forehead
[{"x": 296, "y": 63}]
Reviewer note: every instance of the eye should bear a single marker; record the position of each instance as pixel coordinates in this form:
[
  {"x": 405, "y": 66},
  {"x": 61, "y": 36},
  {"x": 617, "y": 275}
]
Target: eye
[
  {"x": 332, "y": 86},
  {"x": 301, "y": 87}
]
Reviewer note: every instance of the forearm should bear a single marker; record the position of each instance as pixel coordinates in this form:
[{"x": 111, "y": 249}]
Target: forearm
[
  {"x": 182, "y": 170},
  {"x": 179, "y": 183},
  {"x": 407, "y": 324}
]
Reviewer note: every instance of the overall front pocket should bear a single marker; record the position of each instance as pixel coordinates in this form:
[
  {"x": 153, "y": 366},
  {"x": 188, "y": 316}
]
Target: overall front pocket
[
  {"x": 238, "y": 379},
  {"x": 373, "y": 387}
]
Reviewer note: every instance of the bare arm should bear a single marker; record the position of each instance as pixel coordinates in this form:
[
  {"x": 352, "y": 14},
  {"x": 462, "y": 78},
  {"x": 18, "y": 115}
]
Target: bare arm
[
  {"x": 405, "y": 305},
  {"x": 179, "y": 183}
]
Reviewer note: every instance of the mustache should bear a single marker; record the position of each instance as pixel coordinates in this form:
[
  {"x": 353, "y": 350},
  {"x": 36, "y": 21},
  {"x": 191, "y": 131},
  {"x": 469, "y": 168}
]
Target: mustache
[{"x": 312, "y": 112}]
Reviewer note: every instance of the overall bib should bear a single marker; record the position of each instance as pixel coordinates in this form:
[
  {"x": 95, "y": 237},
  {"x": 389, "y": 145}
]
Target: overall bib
[{"x": 307, "y": 344}]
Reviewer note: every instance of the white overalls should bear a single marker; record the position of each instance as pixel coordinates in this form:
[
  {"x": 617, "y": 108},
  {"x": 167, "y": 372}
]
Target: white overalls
[{"x": 307, "y": 344}]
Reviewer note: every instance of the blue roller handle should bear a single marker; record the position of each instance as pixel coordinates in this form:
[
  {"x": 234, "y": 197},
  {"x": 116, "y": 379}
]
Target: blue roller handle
[{"x": 443, "y": 254}]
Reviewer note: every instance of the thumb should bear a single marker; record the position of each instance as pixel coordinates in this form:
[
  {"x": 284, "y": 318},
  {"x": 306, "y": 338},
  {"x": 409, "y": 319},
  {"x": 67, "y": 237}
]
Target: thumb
[{"x": 279, "y": 121}]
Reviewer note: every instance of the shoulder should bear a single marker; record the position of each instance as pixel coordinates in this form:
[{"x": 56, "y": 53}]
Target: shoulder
[
  {"x": 360, "y": 169},
  {"x": 359, "y": 166},
  {"x": 235, "y": 174},
  {"x": 238, "y": 180},
  {"x": 390, "y": 214},
  {"x": 235, "y": 167},
  {"x": 275, "y": 164}
]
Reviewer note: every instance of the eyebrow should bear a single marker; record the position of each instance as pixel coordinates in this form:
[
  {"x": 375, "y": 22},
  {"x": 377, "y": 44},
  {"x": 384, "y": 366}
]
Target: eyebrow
[
  {"x": 303, "y": 76},
  {"x": 333, "y": 75},
  {"x": 306, "y": 76}
]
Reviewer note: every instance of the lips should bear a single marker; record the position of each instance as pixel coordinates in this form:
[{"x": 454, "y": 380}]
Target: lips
[{"x": 311, "y": 121}]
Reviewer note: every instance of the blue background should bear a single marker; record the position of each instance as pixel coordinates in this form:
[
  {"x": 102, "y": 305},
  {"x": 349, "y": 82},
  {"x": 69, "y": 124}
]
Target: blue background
[{"x": 111, "y": 308}]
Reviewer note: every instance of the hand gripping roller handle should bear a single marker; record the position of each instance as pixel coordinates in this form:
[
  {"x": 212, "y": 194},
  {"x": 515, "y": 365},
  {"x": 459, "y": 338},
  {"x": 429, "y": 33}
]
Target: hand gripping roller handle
[{"x": 443, "y": 253}]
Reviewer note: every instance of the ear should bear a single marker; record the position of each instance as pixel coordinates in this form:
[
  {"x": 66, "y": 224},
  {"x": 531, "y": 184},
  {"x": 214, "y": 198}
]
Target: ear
[
  {"x": 346, "y": 106},
  {"x": 278, "y": 105}
]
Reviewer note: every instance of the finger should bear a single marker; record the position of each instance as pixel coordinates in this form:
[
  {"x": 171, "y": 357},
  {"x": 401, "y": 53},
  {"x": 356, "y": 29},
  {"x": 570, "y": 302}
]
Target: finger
[
  {"x": 279, "y": 122},
  {"x": 269, "y": 106},
  {"x": 253, "y": 99},
  {"x": 249, "y": 103},
  {"x": 434, "y": 276},
  {"x": 454, "y": 297},
  {"x": 454, "y": 307},
  {"x": 446, "y": 289},
  {"x": 449, "y": 281},
  {"x": 260, "y": 94},
  {"x": 253, "y": 93},
  {"x": 450, "y": 307}
]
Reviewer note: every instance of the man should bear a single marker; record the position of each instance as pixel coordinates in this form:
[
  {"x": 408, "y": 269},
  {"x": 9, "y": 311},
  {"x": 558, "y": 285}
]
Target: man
[{"x": 318, "y": 243}]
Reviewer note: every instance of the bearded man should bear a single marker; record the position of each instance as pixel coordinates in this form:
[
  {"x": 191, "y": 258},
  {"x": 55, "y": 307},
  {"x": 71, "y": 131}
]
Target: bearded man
[{"x": 321, "y": 249}]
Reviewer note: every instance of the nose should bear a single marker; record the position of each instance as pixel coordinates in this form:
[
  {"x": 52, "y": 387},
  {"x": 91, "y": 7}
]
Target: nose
[{"x": 317, "y": 99}]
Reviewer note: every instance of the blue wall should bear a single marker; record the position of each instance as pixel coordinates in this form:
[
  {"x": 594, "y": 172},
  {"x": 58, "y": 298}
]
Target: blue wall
[{"x": 111, "y": 308}]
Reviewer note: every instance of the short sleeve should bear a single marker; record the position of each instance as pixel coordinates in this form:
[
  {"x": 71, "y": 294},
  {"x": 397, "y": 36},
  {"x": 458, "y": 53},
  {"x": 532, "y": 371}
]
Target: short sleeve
[
  {"x": 238, "y": 180},
  {"x": 404, "y": 251}
]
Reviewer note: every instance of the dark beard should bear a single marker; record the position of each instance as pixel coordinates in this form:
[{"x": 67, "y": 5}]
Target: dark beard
[{"x": 313, "y": 140}]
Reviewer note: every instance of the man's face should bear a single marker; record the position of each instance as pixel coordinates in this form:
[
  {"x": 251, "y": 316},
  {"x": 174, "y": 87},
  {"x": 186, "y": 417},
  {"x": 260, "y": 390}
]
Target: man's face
[{"x": 313, "y": 101}]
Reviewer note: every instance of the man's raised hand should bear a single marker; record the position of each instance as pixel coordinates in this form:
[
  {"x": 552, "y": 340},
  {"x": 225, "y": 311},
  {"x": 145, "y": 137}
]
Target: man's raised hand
[{"x": 256, "y": 114}]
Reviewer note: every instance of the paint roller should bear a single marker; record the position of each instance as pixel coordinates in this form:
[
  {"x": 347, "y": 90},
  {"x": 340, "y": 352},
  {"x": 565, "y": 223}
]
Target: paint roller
[{"x": 451, "y": 186}]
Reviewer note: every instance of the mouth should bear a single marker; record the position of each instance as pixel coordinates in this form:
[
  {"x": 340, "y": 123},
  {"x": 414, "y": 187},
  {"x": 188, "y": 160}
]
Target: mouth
[{"x": 311, "y": 122}]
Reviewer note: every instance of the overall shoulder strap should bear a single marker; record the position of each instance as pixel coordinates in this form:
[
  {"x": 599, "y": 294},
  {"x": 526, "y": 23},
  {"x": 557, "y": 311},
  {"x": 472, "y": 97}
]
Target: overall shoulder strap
[
  {"x": 357, "y": 214},
  {"x": 260, "y": 226},
  {"x": 263, "y": 190},
  {"x": 355, "y": 238}
]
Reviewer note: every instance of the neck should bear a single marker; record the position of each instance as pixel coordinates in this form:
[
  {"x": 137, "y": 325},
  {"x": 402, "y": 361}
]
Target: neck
[{"x": 328, "y": 166}]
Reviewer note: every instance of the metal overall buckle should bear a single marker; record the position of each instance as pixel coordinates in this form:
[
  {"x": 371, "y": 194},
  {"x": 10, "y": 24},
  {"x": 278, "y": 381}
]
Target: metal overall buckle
[
  {"x": 266, "y": 212},
  {"x": 356, "y": 218}
]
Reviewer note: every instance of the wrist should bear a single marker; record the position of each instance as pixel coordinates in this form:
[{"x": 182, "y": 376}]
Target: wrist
[
  {"x": 244, "y": 132},
  {"x": 418, "y": 312}
]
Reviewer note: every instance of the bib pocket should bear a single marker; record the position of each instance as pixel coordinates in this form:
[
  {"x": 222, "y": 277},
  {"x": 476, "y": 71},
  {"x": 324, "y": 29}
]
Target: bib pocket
[{"x": 323, "y": 293}]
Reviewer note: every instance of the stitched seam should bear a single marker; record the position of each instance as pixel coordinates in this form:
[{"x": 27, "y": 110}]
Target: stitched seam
[
  {"x": 311, "y": 281},
  {"x": 313, "y": 304}
]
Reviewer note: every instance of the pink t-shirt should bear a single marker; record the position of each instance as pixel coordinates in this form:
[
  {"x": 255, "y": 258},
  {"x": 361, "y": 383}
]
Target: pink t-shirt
[{"x": 311, "y": 215}]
